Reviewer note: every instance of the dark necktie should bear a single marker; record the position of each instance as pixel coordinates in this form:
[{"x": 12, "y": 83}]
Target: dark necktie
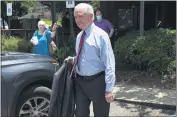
[{"x": 80, "y": 48}]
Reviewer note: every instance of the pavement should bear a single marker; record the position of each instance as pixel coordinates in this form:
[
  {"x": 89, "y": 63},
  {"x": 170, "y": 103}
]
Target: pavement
[
  {"x": 161, "y": 98},
  {"x": 132, "y": 100},
  {"x": 122, "y": 109}
]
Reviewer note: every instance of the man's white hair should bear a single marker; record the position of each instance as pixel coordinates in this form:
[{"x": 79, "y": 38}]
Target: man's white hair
[
  {"x": 42, "y": 23},
  {"x": 88, "y": 8}
]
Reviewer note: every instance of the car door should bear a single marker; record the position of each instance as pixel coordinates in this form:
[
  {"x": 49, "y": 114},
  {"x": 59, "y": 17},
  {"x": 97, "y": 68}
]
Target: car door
[{"x": 4, "y": 98}]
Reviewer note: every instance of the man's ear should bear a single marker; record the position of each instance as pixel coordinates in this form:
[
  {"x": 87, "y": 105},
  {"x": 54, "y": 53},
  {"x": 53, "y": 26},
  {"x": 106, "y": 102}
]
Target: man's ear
[{"x": 91, "y": 15}]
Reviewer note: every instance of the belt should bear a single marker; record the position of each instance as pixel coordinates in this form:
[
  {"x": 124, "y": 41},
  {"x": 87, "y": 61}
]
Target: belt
[{"x": 79, "y": 77}]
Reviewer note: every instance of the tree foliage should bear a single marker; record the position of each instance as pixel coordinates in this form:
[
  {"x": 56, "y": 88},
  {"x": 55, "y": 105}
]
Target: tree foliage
[
  {"x": 95, "y": 4},
  {"x": 153, "y": 52},
  {"x": 28, "y": 4},
  {"x": 19, "y": 8},
  {"x": 60, "y": 5}
]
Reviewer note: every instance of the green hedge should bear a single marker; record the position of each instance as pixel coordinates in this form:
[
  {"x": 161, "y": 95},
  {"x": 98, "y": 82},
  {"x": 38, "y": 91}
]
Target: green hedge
[
  {"x": 15, "y": 44},
  {"x": 67, "y": 48},
  {"x": 155, "y": 51}
]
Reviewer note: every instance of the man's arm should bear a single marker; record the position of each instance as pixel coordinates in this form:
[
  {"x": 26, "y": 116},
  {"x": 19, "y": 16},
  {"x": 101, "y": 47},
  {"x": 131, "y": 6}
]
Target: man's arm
[
  {"x": 111, "y": 28},
  {"x": 111, "y": 32},
  {"x": 107, "y": 57}
]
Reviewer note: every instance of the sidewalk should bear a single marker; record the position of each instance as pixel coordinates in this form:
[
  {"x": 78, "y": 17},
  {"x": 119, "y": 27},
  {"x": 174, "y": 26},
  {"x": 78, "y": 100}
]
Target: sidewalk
[{"x": 148, "y": 96}]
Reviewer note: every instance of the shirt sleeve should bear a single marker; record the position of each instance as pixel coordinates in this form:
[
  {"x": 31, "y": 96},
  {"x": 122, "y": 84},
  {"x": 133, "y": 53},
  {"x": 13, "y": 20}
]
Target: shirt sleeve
[
  {"x": 109, "y": 25},
  {"x": 107, "y": 57}
]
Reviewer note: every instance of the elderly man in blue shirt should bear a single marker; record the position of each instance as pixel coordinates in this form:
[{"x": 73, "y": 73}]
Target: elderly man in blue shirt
[{"x": 95, "y": 65}]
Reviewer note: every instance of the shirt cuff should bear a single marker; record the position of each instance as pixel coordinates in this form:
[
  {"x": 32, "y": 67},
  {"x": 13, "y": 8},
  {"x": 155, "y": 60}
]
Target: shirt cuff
[
  {"x": 73, "y": 59},
  {"x": 109, "y": 87}
]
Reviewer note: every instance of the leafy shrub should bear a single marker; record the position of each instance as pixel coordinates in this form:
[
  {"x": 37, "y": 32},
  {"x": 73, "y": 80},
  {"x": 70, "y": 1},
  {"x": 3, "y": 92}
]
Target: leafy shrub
[
  {"x": 24, "y": 46},
  {"x": 15, "y": 44},
  {"x": 47, "y": 21},
  {"x": 9, "y": 43},
  {"x": 155, "y": 51},
  {"x": 67, "y": 48}
]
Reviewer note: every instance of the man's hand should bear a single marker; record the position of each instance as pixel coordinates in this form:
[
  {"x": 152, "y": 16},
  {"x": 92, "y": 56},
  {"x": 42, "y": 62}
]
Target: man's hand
[
  {"x": 69, "y": 59},
  {"x": 109, "y": 97}
]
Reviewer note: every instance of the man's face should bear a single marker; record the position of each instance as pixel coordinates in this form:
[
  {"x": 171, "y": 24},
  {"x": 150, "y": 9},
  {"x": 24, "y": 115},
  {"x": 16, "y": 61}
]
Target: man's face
[{"x": 81, "y": 19}]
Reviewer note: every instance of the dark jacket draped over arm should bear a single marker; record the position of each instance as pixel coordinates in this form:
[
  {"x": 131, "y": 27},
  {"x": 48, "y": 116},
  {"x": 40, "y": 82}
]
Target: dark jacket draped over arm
[{"x": 62, "y": 97}]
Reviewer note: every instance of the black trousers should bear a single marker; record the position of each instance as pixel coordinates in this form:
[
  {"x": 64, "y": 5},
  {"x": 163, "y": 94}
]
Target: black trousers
[{"x": 91, "y": 90}]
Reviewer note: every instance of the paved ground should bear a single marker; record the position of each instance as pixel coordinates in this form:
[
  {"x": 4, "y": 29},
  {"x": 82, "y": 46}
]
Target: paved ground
[
  {"x": 159, "y": 102},
  {"x": 126, "y": 109},
  {"x": 150, "y": 96}
]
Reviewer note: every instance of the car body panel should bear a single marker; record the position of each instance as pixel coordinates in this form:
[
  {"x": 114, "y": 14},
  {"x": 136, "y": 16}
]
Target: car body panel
[
  {"x": 4, "y": 101},
  {"x": 22, "y": 69}
]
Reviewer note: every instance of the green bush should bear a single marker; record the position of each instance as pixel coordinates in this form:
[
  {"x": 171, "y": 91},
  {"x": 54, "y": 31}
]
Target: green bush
[
  {"x": 67, "y": 48},
  {"x": 9, "y": 43},
  {"x": 47, "y": 21},
  {"x": 24, "y": 46},
  {"x": 155, "y": 51},
  {"x": 15, "y": 44}
]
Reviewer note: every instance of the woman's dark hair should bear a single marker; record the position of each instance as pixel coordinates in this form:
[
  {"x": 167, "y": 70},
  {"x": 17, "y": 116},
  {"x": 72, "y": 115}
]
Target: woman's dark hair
[{"x": 98, "y": 9}]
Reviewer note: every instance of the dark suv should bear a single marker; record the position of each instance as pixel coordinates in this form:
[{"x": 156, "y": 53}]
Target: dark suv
[{"x": 26, "y": 81}]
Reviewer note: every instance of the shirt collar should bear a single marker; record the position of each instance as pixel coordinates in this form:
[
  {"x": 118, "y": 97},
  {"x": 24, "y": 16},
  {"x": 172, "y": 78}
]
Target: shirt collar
[{"x": 89, "y": 29}]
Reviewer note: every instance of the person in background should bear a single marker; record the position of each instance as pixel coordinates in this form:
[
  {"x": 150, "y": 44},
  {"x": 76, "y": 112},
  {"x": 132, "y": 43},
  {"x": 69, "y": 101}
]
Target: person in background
[
  {"x": 42, "y": 38},
  {"x": 95, "y": 65},
  {"x": 66, "y": 22},
  {"x": 104, "y": 24}
]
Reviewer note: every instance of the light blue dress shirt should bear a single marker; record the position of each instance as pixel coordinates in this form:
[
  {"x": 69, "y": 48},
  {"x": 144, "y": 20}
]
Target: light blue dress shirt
[{"x": 96, "y": 55}]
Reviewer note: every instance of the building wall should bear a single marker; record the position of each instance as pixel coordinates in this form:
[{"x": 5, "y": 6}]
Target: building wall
[{"x": 126, "y": 12}]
